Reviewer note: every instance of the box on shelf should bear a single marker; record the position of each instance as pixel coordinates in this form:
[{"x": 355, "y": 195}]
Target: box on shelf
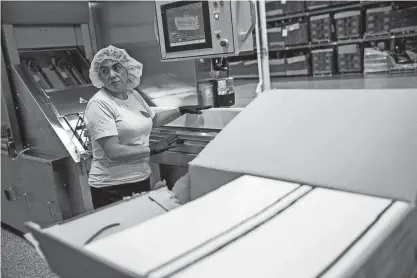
[
  {"x": 295, "y": 34},
  {"x": 378, "y": 21},
  {"x": 278, "y": 67},
  {"x": 349, "y": 58},
  {"x": 292, "y": 7},
  {"x": 323, "y": 61},
  {"x": 317, "y": 4},
  {"x": 297, "y": 65},
  {"x": 348, "y": 24},
  {"x": 242, "y": 68},
  {"x": 274, "y": 8},
  {"x": 275, "y": 36},
  {"x": 277, "y": 8},
  {"x": 320, "y": 28},
  {"x": 404, "y": 20},
  {"x": 375, "y": 60}
]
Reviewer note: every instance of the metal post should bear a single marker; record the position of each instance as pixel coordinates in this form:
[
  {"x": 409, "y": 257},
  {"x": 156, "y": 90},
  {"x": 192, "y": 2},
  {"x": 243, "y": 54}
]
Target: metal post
[{"x": 264, "y": 43}]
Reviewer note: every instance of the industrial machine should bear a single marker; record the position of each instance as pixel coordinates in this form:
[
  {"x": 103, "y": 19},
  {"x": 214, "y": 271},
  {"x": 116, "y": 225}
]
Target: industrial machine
[
  {"x": 46, "y": 52},
  {"x": 206, "y": 29},
  {"x": 45, "y": 60}
]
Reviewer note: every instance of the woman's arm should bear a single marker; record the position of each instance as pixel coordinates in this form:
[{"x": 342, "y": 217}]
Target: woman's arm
[
  {"x": 118, "y": 152},
  {"x": 165, "y": 117}
]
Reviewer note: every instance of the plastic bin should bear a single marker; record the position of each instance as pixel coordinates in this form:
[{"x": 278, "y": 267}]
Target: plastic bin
[
  {"x": 323, "y": 61},
  {"x": 278, "y": 67},
  {"x": 292, "y": 7},
  {"x": 297, "y": 65},
  {"x": 320, "y": 28},
  {"x": 275, "y": 37},
  {"x": 404, "y": 20},
  {"x": 274, "y": 8},
  {"x": 347, "y": 24},
  {"x": 311, "y": 5},
  {"x": 296, "y": 34},
  {"x": 349, "y": 58}
]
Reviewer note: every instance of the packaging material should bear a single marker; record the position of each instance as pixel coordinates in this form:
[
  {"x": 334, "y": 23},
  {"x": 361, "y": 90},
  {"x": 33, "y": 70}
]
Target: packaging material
[
  {"x": 311, "y": 5},
  {"x": 378, "y": 21},
  {"x": 320, "y": 28},
  {"x": 278, "y": 67},
  {"x": 375, "y": 60},
  {"x": 216, "y": 218},
  {"x": 323, "y": 61},
  {"x": 349, "y": 58},
  {"x": 347, "y": 24},
  {"x": 297, "y": 65},
  {"x": 341, "y": 131},
  {"x": 404, "y": 20},
  {"x": 275, "y": 36},
  {"x": 296, "y": 34},
  {"x": 269, "y": 217}
]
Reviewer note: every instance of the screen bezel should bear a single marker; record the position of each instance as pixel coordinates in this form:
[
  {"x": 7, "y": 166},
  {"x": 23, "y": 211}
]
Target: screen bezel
[{"x": 207, "y": 27}]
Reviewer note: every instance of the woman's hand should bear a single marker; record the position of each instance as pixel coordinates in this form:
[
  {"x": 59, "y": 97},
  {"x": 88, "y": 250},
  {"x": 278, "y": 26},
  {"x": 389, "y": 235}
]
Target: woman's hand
[
  {"x": 165, "y": 144},
  {"x": 192, "y": 109}
]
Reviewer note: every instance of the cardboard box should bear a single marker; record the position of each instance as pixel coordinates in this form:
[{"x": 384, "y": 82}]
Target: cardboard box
[
  {"x": 313, "y": 137},
  {"x": 256, "y": 227}
]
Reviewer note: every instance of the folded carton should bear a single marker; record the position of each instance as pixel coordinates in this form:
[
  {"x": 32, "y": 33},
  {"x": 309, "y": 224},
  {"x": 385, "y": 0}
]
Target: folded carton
[{"x": 361, "y": 141}]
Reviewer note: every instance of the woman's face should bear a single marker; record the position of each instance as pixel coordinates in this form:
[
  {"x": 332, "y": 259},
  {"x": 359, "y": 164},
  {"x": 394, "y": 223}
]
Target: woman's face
[{"x": 113, "y": 75}]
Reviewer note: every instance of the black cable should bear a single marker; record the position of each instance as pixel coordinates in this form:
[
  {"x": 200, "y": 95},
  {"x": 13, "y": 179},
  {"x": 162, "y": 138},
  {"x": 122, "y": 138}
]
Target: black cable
[{"x": 100, "y": 231}]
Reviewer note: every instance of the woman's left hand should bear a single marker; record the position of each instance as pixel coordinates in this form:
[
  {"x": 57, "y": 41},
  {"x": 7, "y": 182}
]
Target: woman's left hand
[{"x": 192, "y": 109}]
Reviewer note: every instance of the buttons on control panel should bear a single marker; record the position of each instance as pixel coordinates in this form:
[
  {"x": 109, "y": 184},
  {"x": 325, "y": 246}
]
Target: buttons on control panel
[
  {"x": 216, "y": 16},
  {"x": 221, "y": 3},
  {"x": 215, "y": 4},
  {"x": 224, "y": 43}
]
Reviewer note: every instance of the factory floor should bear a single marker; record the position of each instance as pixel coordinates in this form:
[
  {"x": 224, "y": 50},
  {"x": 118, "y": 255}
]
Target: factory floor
[{"x": 19, "y": 259}]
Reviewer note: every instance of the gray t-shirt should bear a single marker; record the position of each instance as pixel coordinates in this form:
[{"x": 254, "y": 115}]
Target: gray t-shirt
[{"x": 131, "y": 121}]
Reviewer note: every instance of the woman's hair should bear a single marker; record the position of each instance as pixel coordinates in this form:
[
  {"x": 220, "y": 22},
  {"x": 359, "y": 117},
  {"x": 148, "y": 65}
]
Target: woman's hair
[{"x": 133, "y": 67}]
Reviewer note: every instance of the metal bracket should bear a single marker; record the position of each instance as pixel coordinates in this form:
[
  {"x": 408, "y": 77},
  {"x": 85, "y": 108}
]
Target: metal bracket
[{"x": 12, "y": 193}]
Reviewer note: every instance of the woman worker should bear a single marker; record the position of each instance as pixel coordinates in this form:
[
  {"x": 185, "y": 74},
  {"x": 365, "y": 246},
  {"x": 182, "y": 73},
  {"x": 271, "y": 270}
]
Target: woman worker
[{"x": 119, "y": 123}]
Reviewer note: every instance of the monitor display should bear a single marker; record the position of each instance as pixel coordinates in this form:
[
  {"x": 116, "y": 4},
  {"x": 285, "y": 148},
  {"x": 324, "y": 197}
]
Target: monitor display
[{"x": 186, "y": 25}]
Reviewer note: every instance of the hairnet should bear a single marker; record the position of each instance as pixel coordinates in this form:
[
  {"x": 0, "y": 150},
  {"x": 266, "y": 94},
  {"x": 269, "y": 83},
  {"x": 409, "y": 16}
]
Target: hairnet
[{"x": 133, "y": 67}]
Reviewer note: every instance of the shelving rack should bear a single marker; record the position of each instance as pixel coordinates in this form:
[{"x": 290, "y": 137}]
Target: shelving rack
[{"x": 362, "y": 41}]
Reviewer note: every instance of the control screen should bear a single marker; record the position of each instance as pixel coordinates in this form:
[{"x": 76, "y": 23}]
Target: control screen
[{"x": 186, "y": 25}]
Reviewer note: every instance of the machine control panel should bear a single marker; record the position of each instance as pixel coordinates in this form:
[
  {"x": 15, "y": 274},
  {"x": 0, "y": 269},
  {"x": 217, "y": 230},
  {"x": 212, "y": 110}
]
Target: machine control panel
[{"x": 195, "y": 29}]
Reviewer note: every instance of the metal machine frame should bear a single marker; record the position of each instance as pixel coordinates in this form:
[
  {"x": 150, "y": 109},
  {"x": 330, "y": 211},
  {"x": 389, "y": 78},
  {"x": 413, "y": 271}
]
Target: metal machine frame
[
  {"x": 38, "y": 131},
  {"x": 223, "y": 30}
]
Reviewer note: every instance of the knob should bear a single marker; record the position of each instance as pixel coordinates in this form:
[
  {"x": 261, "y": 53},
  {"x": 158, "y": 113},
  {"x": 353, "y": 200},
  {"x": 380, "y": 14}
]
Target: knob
[{"x": 224, "y": 43}]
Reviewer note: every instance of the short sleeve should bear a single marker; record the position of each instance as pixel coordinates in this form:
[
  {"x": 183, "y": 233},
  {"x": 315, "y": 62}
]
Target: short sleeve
[
  {"x": 100, "y": 120},
  {"x": 145, "y": 105}
]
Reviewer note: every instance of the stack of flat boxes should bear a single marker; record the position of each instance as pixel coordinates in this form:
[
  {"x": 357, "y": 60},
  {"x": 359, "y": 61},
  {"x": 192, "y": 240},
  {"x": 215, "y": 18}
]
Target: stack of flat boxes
[
  {"x": 349, "y": 58},
  {"x": 323, "y": 61},
  {"x": 296, "y": 34},
  {"x": 317, "y": 4},
  {"x": 347, "y": 24},
  {"x": 275, "y": 37},
  {"x": 378, "y": 21},
  {"x": 320, "y": 28}
]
